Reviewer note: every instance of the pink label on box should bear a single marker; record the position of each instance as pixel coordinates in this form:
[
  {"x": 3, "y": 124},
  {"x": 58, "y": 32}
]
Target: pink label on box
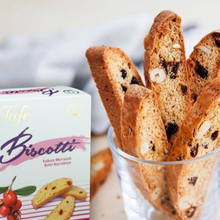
[{"x": 27, "y": 151}]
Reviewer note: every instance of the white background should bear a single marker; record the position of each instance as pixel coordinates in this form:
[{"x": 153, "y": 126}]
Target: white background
[{"x": 37, "y": 17}]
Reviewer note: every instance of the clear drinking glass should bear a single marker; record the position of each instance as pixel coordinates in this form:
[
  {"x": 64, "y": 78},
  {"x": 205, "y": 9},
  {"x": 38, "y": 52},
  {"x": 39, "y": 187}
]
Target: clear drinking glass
[{"x": 136, "y": 204}]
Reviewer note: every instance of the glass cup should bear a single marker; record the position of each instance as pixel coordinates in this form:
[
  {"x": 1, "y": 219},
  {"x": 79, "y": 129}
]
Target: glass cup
[{"x": 201, "y": 183}]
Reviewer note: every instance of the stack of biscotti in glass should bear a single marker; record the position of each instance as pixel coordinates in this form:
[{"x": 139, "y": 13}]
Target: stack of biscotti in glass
[{"x": 175, "y": 117}]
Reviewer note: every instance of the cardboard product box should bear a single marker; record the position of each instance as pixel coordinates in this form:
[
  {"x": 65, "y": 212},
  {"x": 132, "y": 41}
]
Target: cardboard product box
[{"x": 45, "y": 150}]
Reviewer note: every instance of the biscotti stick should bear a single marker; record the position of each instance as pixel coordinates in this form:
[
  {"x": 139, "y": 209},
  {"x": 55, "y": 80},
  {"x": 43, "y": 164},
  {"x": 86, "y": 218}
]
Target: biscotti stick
[
  {"x": 165, "y": 70},
  {"x": 198, "y": 136},
  {"x": 76, "y": 192},
  {"x": 50, "y": 191},
  {"x": 199, "y": 132},
  {"x": 113, "y": 72},
  {"x": 100, "y": 168},
  {"x": 144, "y": 136},
  {"x": 63, "y": 211},
  {"x": 204, "y": 63}
]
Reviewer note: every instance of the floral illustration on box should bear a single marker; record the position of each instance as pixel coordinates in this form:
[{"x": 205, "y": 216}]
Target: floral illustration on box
[
  {"x": 64, "y": 188},
  {"x": 10, "y": 205}
]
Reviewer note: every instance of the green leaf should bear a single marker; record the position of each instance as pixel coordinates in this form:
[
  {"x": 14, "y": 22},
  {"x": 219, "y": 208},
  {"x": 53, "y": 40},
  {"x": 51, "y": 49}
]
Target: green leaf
[
  {"x": 3, "y": 189},
  {"x": 25, "y": 191}
]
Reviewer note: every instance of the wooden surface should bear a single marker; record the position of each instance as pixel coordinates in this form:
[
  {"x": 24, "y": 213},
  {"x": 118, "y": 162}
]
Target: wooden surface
[{"x": 107, "y": 204}]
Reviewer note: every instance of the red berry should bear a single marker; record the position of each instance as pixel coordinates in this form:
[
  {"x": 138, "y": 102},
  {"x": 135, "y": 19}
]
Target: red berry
[
  {"x": 17, "y": 205},
  {"x": 17, "y": 215},
  {"x": 10, "y": 198},
  {"x": 1, "y": 202},
  {"x": 4, "y": 210},
  {"x": 11, "y": 217}
]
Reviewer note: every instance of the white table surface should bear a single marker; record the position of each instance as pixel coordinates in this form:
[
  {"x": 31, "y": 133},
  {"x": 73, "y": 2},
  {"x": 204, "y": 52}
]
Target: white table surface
[{"x": 107, "y": 204}]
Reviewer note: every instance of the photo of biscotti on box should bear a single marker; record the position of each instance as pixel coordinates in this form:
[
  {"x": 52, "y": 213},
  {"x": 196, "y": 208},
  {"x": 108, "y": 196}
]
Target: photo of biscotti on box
[
  {"x": 45, "y": 153},
  {"x": 59, "y": 188},
  {"x": 165, "y": 134}
]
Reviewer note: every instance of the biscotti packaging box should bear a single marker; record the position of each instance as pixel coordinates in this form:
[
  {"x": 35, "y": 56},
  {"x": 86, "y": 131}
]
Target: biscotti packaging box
[{"x": 44, "y": 153}]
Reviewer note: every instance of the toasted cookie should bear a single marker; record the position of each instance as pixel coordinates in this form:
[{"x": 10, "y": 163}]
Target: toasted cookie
[
  {"x": 165, "y": 70},
  {"x": 198, "y": 136},
  {"x": 63, "y": 211},
  {"x": 51, "y": 190},
  {"x": 204, "y": 63},
  {"x": 100, "y": 167},
  {"x": 76, "y": 192},
  {"x": 113, "y": 72},
  {"x": 144, "y": 136}
]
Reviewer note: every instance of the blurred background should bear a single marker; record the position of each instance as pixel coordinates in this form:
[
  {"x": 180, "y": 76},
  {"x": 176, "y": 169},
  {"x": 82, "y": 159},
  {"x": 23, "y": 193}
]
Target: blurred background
[
  {"x": 37, "y": 17},
  {"x": 43, "y": 42}
]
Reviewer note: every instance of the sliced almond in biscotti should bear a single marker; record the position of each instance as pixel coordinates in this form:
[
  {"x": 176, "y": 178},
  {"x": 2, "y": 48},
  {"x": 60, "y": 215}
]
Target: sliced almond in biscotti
[
  {"x": 204, "y": 63},
  {"x": 113, "y": 72},
  {"x": 144, "y": 136},
  {"x": 198, "y": 136},
  {"x": 165, "y": 70}
]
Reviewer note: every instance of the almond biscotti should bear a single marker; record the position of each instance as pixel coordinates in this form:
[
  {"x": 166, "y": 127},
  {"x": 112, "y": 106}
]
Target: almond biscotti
[
  {"x": 113, "y": 72},
  {"x": 198, "y": 136},
  {"x": 188, "y": 185},
  {"x": 143, "y": 133},
  {"x": 100, "y": 168},
  {"x": 144, "y": 136},
  {"x": 165, "y": 70},
  {"x": 204, "y": 63},
  {"x": 199, "y": 132}
]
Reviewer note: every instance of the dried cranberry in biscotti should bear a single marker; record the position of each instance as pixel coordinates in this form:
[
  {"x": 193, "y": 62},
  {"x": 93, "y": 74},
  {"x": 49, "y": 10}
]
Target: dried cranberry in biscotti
[
  {"x": 164, "y": 64},
  {"x": 194, "y": 150},
  {"x": 175, "y": 67},
  {"x": 205, "y": 145},
  {"x": 134, "y": 81},
  {"x": 216, "y": 35},
  {"x": 171, "y": 129},
  {"x": 217, "y": 41},
  {"x": 124, "y": 88},
  {"x": 191, "y": 211},
  {"x": 183, "y": 89},
  {"x": 214, "y": 135},
  {"x": 193, "y": 180},
  {"x": 201, "y": 71},
  {"x": 123, "y": 73},
  {"x": 194, "y": 97},
  {"x": 69, "y": 183}
]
